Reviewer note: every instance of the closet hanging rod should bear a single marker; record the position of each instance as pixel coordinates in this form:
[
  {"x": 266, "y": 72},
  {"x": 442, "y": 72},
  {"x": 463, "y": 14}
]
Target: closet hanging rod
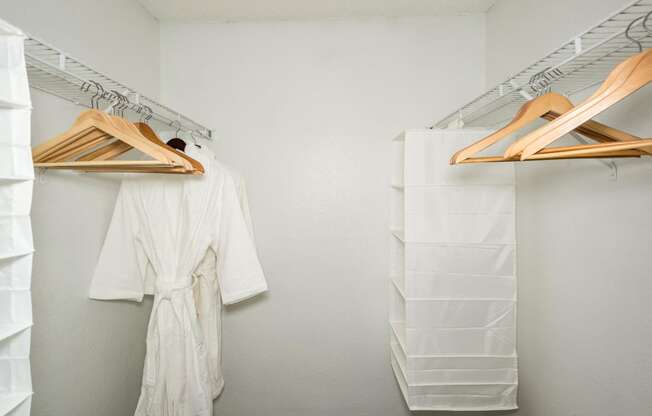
[
  {"x": 57, "y": 73},
  {"x": 577, "y": 65}
]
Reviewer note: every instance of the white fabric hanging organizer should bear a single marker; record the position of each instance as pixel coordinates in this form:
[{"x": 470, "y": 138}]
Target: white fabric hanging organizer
[
  {"x": 16, "y": 179},
  {"x": 453, "y": 285}
]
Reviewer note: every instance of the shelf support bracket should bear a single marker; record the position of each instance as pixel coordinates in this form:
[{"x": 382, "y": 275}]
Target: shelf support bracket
[
  {"x": 609, "y": 163},
  {"x": 62, "y": 61},
  {"x": 520, "y": 90},
  {"x": 578, "y": 45}
]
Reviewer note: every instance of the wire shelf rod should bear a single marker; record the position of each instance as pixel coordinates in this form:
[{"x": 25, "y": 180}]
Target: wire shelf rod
[
  {"x": 573, "y": 66},
  {"x": 57, "y": 73}
]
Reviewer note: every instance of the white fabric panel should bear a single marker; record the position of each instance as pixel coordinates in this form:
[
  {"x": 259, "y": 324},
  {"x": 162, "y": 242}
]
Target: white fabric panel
[
  {"x": 455, "y": 370},
  {"x": 16, "y": 157},
  {"x": 16, "y": 272},
  {"x": 15, "y": 126},
  {"x": 453, "y": 300},
  {"x": 16, "y": 345},
  {"x": 15, "y": 307},
  {"x": 462, "y": 259},
  {"x": 16, "y": 162},
  {"x": 17, "y": 404},
  {"x": 16, "y": 232},
  {"x": 471, "y": 341},
  {"x": 459, "y": 313},
  {"x": 16, "y": 197},
  {"x": 16, "y": 245},
  {"x": 429, "y": 285},
  {"x": 15, "y": 375},
  {"x": 456, "y": 397},
  {"x": 13, "y": 75},
  {"x": 478, "y": 214},
  {"x": 427, "y": 155}
]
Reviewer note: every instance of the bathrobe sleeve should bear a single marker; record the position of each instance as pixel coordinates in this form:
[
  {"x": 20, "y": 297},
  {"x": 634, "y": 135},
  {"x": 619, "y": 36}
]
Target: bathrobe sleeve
[
  {"x": 239, "y": 273},
  {"x": 122, "y": 264},
  {"x": 241, "y": 189}
]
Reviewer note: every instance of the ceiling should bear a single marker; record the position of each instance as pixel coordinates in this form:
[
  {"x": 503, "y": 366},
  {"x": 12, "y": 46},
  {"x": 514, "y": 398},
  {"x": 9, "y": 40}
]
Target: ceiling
[{"x": 306, "y": 9}]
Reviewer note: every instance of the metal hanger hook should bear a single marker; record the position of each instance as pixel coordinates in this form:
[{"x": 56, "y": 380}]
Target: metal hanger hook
[
  {"x": 192, "y": 137},
  {"x": 95, "y": 99},
  {"x": 178, "y": 127},
  {"x": 141, "y": 113},
  {"x": 647, "y": 17},
  {"x": 628, "y": 35},
  {"x": 145, "y": 112},
  {"x": 123, "y": 103},
  {"x": 117, "y": 100}
]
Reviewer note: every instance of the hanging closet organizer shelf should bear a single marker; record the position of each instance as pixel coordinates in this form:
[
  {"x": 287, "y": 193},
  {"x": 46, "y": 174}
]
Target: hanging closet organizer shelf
[
  {"x": 578, "y": 65},
  {"x": 55, "y": 72}
]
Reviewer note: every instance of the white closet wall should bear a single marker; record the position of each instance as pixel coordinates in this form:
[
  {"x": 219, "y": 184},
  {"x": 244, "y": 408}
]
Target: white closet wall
[{"x": 16, "y": 247}]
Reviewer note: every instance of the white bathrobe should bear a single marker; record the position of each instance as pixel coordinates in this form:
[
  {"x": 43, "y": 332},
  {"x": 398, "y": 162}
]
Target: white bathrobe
[
  {"x": 162, "y": 228},
  {"x": 207, "y": 292}
]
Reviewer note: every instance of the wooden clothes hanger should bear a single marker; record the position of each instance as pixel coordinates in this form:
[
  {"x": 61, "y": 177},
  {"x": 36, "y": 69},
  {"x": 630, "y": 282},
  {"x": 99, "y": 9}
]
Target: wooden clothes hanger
[
  {"x": 628, "y": 77},
  {"x": 93, "y": 128},
  {"x": 118, "y": 148},
  {"x": 548, "y": 106}
]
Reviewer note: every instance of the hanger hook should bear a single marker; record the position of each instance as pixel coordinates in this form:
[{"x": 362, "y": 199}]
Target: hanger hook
[
  {"x": 178, "y": 124},
  {"x": 116, "y": 97},
  {"x": 102, "y": 93},
  {"x": 194, "y": 139},
  {"x": 117, "y": 100},
  {"x": 647, "y": 17},
  {"x": 146, "y": 112},
  {"x": 123, "y": 103},
  {"x": 99, "y": 91},
  {"x": 629, "y": 29}
]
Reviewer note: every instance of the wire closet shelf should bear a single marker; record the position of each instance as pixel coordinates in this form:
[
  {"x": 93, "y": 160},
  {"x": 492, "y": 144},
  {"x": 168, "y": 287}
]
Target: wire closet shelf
[
  {"x": 55, "y": 72},
  {"x": 578, "y": 65}
]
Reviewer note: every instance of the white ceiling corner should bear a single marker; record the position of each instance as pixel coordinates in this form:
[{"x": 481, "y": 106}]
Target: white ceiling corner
[{"x": 307, "y": 9}]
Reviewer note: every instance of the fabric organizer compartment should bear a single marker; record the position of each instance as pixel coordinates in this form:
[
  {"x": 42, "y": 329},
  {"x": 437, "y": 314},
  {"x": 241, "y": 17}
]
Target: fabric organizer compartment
[
  {"x": 435, "y": 370},
  {"x": 453, "y": 290},
  {"x": 16, "y": 245},
  {"x": 15, "y": 375},
  {"x": 456, "y": 214},
  {"x": 14, "y": 88},
  {"x": 19, "y": 232},
  {"x": 15, "y": 308},
  {"x": 453, "y": 396},
  {"x": 15, "y": 222},
  {"x": 16, "y": 156}
]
